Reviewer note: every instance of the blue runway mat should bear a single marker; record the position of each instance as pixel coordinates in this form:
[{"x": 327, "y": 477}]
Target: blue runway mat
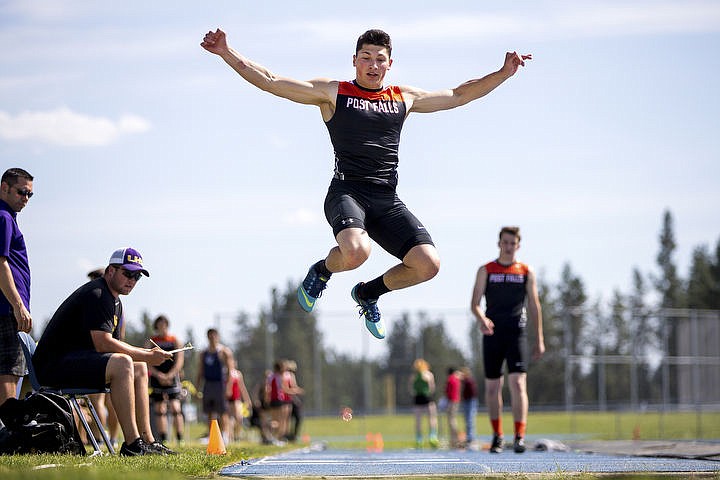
[{"x": 329, "y": 463}]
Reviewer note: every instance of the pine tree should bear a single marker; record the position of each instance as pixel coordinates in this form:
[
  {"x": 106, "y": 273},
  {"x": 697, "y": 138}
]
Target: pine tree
[
  {"x": 668, "y": 284},
  {"x": 701, "y": 287}
]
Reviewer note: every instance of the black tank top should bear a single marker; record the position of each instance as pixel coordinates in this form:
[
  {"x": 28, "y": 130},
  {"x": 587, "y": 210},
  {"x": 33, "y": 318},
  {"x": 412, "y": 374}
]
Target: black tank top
[
  {"x": 505, "y": 292},
  {"x": 365, "y": 133}
]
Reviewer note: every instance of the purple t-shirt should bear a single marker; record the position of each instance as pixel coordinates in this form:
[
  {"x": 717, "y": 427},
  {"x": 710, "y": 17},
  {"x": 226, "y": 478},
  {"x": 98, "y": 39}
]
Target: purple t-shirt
[{"x": 12, "y": 247}]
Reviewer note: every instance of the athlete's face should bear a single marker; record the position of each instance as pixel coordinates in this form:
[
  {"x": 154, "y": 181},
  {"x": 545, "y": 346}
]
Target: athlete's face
[
  {"x": 509, "y": 244},
  {"x": 162, "y": 328},
  {"x": 371, "y": 64}
]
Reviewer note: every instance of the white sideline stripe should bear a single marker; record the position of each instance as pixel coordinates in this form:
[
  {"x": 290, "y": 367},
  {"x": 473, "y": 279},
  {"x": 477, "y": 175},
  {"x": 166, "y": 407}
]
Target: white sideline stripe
[{"x": 366, "y": 462}]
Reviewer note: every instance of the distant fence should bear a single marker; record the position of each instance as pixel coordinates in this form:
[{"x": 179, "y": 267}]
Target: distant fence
[
  {"x": 679, "y": 371},
  {"x": 686, "y": 364}
]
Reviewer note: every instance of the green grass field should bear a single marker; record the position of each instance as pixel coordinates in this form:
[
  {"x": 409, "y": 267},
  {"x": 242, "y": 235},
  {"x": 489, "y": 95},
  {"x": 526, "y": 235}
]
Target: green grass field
[{"x": 397, "y": 432}]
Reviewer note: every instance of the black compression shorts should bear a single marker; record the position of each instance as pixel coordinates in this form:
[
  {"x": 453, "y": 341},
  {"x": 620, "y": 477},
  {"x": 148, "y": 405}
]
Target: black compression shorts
[
  {"x": 376, "y": 209},
  {"x": 505, "y": 345},
  {"x": 82, "y": 369}
]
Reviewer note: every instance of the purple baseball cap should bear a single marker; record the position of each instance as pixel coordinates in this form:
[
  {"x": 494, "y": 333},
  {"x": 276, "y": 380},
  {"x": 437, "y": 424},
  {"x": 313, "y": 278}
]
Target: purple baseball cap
[{"x": 130, "y": 259}]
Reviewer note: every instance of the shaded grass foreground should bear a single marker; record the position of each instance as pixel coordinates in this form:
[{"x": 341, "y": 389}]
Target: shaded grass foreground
[{"x": 191, "y": 461}]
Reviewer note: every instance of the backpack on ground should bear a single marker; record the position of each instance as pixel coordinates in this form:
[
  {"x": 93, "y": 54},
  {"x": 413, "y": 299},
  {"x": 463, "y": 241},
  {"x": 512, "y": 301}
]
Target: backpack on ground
[{"x": 39, "y": 423}]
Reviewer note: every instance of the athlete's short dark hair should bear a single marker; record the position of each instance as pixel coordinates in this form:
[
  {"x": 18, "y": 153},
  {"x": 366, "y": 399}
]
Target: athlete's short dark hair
[
  {"x": 515, "y": 231},
  {"x": 374, "y": 37},
  {"x": 160, "y": 318},
  {"x": 12, "y": 175}
]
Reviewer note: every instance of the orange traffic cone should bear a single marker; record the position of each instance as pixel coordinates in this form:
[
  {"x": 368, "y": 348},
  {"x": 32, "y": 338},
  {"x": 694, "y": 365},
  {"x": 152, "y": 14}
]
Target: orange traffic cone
[
  {"x": 216, "y": 445},
  {"x": 379, "y": 443},
  {"x": 375, "y": 442}
]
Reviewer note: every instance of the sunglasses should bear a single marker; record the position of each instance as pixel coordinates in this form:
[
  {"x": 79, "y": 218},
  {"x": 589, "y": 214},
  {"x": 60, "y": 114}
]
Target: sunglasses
[
  {"x": 131, "y": 275},
  {"x": 24, "y": 193}
]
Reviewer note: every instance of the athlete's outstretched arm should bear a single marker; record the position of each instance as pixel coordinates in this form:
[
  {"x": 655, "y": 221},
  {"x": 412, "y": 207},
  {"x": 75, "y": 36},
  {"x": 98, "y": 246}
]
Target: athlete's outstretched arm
[
  {"x": 426, "y": 102},
  {"x": 313, "y": 92}
]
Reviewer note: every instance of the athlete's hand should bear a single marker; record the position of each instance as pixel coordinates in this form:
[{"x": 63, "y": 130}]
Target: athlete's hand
[
  {"x": 24, "y": 319},
  {"x": 539, "y": 349},
  {"x": 215, "y": 42},
  {"x": 158, "y": 356},
  {"x": 513, "y": 61},
  {"x": 487, "y": 327}
]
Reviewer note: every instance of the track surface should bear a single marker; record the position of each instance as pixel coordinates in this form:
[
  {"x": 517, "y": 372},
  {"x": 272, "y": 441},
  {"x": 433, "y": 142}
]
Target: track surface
[{"x": 311, "y": 462}]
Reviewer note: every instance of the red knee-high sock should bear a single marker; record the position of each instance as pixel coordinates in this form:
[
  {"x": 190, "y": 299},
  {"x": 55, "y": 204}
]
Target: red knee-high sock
[
  {"x": 520, "y": 429},
  {"x": 496, "y": 425}
]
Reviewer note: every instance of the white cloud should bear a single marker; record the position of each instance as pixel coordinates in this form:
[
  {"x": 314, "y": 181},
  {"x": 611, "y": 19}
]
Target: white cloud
[
  {"x": 40, "y": 10},
  {"x": 550, "y": 20},
  {"x": 302, "y": 217},
  {"x": 67, "y": 128}
]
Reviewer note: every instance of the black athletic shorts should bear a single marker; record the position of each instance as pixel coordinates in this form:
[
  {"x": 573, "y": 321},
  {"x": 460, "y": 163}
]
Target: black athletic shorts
[
  {"x": 421, "y": 400},
  {"x": 12, "y": 359},
  {"x": 505, "y": 345},
  {"x": 214, "y": 400},
  {"x": 83, "y": 369},
  {"x": 162, "y": 394},
  {"x": 376, "y": 209}
]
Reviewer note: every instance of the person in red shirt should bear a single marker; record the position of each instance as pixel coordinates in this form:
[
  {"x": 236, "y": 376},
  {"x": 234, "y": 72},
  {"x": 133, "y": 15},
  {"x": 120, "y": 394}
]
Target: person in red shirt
[{"x": 452, "y": 393}]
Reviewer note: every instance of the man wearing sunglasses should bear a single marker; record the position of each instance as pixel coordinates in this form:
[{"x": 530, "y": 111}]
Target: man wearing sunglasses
[
  {"x": 15, "y": 192},
  {"x": 80, "y": 347}
]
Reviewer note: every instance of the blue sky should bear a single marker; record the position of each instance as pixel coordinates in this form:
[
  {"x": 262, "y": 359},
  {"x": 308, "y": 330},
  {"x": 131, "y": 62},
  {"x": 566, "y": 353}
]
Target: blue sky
[{"x": 137, "y": 136}]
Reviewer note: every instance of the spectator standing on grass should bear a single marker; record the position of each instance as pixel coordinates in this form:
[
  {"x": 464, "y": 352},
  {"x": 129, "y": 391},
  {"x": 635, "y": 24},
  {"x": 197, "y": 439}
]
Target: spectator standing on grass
[
  {"x": 238, "y": 402},
  {"x": 452, "y": 393},
  {"x": 215, "y": 364},
  {"x": 296, "y": 412},
  {"x": 260, "y": 416},
  {"x": 469, "y": 393},
  {"x": 422, "y": 388},
  {"x": 166, "y": 389},
  {"x": 16, "y": 189}
]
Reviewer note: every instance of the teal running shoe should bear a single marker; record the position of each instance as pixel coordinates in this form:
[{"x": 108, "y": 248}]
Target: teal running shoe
[
  {"x": 311, "y": 289},
  {"x": 369, "y": 309}
]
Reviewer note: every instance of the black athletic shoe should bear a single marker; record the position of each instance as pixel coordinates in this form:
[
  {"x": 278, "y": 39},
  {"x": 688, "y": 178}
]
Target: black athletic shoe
[
  {"x": 160, "y": 448},
  {"x": 136, "y": 448},
  {"x": 519, "y": 445},
  {"x": 497, "y": 444}
]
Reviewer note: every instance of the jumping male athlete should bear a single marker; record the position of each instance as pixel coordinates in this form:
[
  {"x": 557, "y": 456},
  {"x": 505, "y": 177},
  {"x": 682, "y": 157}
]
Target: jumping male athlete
[{"x": 364, "y": 119}]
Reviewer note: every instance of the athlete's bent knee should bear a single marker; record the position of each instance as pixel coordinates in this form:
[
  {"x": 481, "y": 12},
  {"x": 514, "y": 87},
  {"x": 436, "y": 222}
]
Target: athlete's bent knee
[
  {"x": 354, "y": 257},
  {"x": 430, "y": 268}
]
